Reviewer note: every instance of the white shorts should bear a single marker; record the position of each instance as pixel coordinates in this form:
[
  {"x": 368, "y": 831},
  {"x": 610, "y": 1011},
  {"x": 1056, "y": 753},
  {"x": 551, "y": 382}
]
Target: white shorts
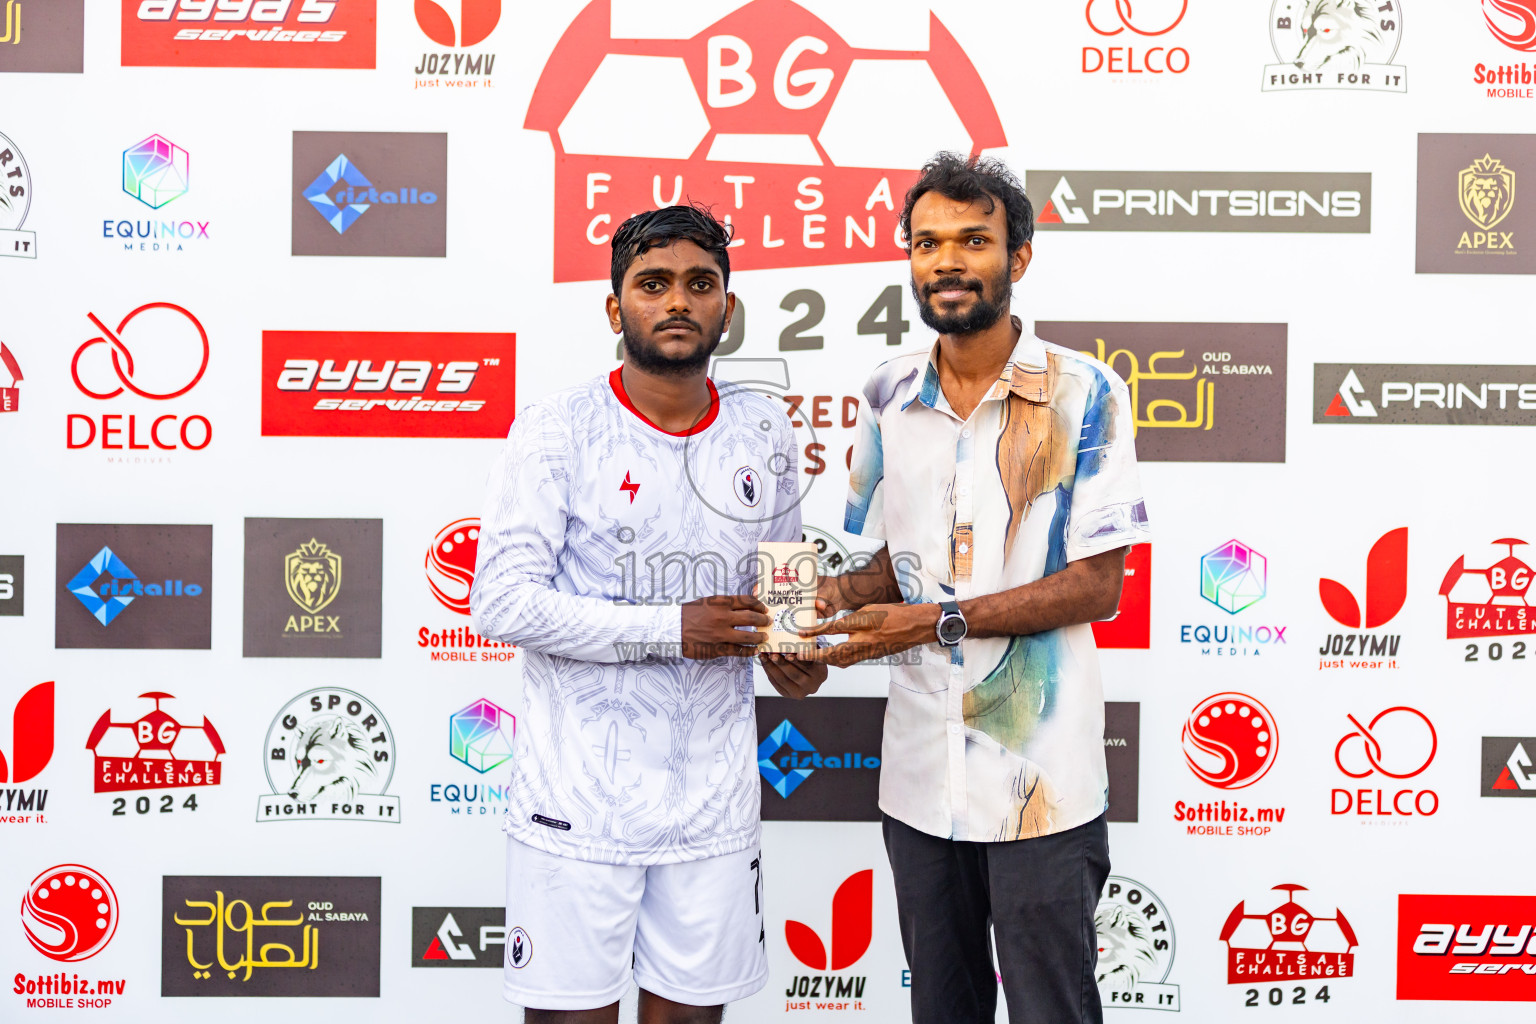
[{"x": 577, "y": 931}]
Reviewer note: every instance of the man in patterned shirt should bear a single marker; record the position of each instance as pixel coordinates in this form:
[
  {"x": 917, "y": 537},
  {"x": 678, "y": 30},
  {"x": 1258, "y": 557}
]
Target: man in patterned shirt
[
  {"x": 618, "y": 549},
  {"x": 1007, "y": 504}
]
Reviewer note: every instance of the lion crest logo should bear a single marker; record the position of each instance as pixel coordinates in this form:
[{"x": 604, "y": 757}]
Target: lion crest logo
[
  {"x": 313, "y": 576},
  {"x": 1486, "y": 191}
]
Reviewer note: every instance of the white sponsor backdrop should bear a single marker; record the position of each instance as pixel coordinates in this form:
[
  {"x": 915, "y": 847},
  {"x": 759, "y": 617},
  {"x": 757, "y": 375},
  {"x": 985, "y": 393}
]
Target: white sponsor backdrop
[{"x": 1344, "y": 297}]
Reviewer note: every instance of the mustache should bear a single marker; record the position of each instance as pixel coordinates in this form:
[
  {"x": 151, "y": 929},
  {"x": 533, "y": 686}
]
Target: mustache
[
  {"x": 677, "y": 321},
  {"x": 945, "y": 284}
]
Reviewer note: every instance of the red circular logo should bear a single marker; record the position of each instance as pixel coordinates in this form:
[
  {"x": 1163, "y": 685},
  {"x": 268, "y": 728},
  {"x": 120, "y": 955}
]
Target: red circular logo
[
  {"x": 69, "y": 912},
  {"x": 122, "y": 358},
  {"x": 1230, "y": 740},
  {"x": 1399, "y": 748},
  {"x": 451, "y": 563}
]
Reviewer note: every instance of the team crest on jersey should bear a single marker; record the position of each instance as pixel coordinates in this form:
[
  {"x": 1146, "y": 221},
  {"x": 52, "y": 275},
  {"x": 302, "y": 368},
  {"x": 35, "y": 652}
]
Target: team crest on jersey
[
  {"x": 519, "y": 948},
  {"x": 748, "y": 486}
]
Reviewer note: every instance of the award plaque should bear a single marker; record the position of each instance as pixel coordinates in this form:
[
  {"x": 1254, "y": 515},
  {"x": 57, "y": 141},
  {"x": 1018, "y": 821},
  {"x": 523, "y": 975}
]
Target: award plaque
[{"x": 787, "y": 586}]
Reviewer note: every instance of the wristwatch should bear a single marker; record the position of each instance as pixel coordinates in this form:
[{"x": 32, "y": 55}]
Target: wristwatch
[{"x": 952, "y": 626}]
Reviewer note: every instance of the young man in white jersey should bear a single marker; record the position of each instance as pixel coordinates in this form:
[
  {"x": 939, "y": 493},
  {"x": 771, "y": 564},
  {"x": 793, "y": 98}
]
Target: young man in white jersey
[{"x": 618, "y": 550}]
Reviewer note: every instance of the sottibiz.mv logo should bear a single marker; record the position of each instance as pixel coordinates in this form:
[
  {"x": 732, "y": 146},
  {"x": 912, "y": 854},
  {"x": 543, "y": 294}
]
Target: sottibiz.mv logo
[
  {"x": 852, "y": 929},
  {"x": 1466, "y": 947},
  {"x": 386, "y": 384},
  {"x": 774, "y": 120}
]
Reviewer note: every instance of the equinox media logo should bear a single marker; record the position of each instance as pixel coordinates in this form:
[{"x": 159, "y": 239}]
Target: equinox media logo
[{"x": 156, "y": 171}]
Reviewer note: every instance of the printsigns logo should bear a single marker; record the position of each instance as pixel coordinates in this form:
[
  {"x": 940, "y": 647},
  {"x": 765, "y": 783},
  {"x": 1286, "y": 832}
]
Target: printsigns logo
[
  {"x": 1399, "y": 743},
  {"x": 387, "y": 384},
  {"x": 31, "y": 750},
  {"x": 43, "y": 36},
  {"x": 264, "y": 34},
  {"x": 1288, "y": 943},
  {"x": 1199, "y": 392},
  {"x": 298, "y": 603},
  {"x": 771, "y": 124},
  {"x": 458, "y": 936},
  {"x": 70, "y": 913},
  {"x": 1438, "y": 394},
  {"x": 1136, "y": 947},
  {"x": 330, "y": 756},
  {"x": 1247, "y": 201},
  {"x": 13, "y": 584},
  {"x": 1336, "y": 44},
  {"x": 1469, "y": 218},
  {"x": 134, "y": 586},
  {"x": 15, "y": 201},
  {"x": 847, "y": 781},
  {"x": 331, "y": 194},
  {"x": 852, "y": 927},
  {"x": 1507, "y": 766},
  {"x": 1468, "y": 948},
  {"x": 154, "y": 751},
  {"x": 1230, "y": 741},
  {"x": 1120, "y": 23},
  {"x": 266, "y": 936}
]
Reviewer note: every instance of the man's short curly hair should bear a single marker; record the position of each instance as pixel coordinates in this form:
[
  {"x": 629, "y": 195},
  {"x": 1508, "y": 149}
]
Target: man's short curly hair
[{"x": 969, "y": 180}]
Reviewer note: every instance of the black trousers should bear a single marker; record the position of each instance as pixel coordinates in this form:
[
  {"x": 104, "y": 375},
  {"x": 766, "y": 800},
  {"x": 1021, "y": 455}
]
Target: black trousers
[{"x": 1038, "y": 895}]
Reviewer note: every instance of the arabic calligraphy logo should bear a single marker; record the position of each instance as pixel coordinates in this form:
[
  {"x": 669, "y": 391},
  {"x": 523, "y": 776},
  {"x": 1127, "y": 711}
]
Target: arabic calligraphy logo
[
  {"x": 1230, "y": 740},
  {"x": 1111, "y": 11},
  {"x": 451, "y": 563},
  {"x": 1147, "y": 416},
  {"x": 12, "y": 28},
  {"x": 122, "y": 358},
  {"x": 1502, "y": 13},
  {"x": 155, "y": 171},
  {"x": 1410, "y": 730},
  {"x": 69, "y": 913},
  {"x": 313, "y": 575},
  {"x": 221, "y": 916},
  {"x": 477, "y": 19},
  {"x": 1486, "y": 191}
]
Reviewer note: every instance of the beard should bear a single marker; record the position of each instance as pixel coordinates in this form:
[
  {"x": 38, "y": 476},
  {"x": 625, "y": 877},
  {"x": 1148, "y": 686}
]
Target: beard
[
  {"x": 991, "y": 303},
  {"x": 646, "y": 355}
]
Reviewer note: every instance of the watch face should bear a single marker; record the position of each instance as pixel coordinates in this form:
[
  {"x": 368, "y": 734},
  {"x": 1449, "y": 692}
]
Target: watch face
[{"x": 951, "y": 628}]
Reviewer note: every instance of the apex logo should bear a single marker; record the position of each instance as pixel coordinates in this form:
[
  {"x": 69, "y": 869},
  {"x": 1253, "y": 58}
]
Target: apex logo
[
  {"x": 31, "y": 739},
  {"x": 1350, "y": 399},
  {"x": 852, "y": 927},
  {"x": 1386, "y": 585},
  {"x": 1507, "y": 766}
]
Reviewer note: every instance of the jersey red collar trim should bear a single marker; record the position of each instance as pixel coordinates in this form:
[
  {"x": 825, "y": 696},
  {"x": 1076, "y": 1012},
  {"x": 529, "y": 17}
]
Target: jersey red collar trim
[{"x": 616, "y": 381}]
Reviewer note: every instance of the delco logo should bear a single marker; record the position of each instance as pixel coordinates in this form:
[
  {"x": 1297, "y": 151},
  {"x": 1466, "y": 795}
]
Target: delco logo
[
  {"x": 386, "y": 384},
  {"x": 249, "y": 33},
  {"x": 773, "y": 119},
  {"x": 1466, "y": 947}
]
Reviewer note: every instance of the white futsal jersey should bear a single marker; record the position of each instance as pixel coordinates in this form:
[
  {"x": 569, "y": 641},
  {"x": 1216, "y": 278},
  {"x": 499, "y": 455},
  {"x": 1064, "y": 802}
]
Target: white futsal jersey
[{"x": 598, "y": 526}]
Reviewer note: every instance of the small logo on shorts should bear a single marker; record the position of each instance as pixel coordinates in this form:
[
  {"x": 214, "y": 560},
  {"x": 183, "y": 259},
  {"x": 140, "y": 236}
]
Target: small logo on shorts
[
  {"x": 519, "y": 949},
  {"x": 749, "y": 489},
  {"x": 564, "y": 826}
]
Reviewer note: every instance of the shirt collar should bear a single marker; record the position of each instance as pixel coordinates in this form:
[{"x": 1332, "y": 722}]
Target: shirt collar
[{"x": 1025, "y": 374}]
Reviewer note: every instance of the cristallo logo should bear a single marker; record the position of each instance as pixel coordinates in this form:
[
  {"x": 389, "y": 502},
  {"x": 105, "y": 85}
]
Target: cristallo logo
[{"x": 773, "y": 119}]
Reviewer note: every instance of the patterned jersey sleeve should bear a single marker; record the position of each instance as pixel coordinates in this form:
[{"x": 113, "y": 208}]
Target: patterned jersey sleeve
[
  {"x": 865, "y": 514},
  {"x": 786, "y": 522},
  {"x": 522, "y": 536},
  {"x": 1107, "y": 507}
]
